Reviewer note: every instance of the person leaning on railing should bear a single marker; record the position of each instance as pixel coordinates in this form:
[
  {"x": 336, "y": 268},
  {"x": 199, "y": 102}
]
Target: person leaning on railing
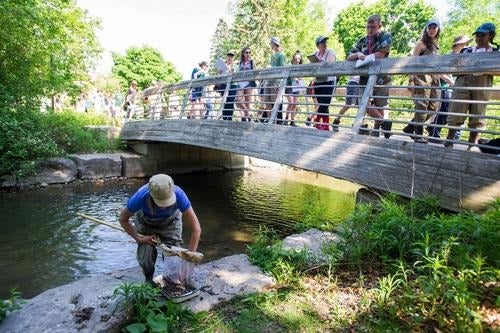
[
  {"x": 323, "y": 86},
  {"x": 271, "y": 86},
  {"x": 424, "y": 85},
  {"x": 484, "y": 36},
  {"x": 376, "y": 42}
]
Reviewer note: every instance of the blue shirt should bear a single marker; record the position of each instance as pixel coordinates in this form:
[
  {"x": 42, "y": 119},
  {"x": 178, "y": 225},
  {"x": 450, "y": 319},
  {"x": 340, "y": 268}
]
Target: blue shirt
[{"x": 139, "y": 201}]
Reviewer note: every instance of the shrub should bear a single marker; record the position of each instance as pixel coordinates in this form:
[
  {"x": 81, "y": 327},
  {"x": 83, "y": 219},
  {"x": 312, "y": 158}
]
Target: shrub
[
  {"x": 27, "y": 135},
  {"x": 11, "y": 304}
]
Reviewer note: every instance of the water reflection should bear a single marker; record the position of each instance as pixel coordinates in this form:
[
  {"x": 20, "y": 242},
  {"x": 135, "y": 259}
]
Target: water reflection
[{"x": 44, "y": 244}]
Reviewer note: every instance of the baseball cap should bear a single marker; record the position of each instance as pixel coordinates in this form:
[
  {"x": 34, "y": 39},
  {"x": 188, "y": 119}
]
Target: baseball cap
[
  {"x": 134, "y": 82},
  {"x": 230, "y": 53},
  {"x": 161, "y": 189},
  {"x": 321, "y": 39},
  {"x": 275, "y": 40},
  {"x": 433, "y": 21},
  {"x": 462, "y": 39},
  {"x": 485, "y": 28}
]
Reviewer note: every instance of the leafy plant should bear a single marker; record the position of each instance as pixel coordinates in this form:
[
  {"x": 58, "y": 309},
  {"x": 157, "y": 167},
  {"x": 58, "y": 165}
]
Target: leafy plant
[
  {"x": 150, "y": 313},
  {"x": 13, "y": 303}
]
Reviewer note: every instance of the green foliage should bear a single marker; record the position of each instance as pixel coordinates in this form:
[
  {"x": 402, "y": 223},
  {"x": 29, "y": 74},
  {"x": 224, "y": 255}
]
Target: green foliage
[
  {"x": 48, "y": 48},
  {"x": 404, "y": 19},
  {"x": 465, "y": 16},
  {"x": 13, "y": 303},
  {"x": 297, "y": 24},
  {"x": 220, "y": 44},
  {"x": 151, "y": 314},
  {"x": 285, "y": 266},
  {"x": 143, "y": 64},
  {"x": 445, "y": 264},
  {"x": 28, "y": 135}
]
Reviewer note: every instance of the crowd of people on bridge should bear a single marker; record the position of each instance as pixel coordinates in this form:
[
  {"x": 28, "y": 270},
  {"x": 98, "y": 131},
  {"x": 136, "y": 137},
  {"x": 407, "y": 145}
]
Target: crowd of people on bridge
[{"x": 426, "y": 90}]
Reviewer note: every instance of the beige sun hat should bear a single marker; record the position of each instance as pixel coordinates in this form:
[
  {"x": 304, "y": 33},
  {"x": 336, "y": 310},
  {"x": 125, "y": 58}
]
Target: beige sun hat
[
  {"x": 462, "y": 39},
  {"x": 161, "y": 189}
]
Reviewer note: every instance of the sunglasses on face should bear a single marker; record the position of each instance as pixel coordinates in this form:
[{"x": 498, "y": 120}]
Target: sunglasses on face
[{"x": 248, "y": 52}]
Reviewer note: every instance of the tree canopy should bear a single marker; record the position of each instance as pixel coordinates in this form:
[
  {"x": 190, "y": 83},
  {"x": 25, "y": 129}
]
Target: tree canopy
[
  {"x": 404, "y": 19},
  {"x": 143, "y": 64},
  {"x": 297, "y": 24},
  {"x": 46, "y": 47}
]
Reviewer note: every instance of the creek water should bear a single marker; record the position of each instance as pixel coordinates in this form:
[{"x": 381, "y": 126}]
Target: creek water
[{"x": 44, "y": 244}]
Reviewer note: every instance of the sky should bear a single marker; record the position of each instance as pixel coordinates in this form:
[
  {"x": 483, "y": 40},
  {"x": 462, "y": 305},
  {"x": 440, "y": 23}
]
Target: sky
[{"x": 181, "y": 30}]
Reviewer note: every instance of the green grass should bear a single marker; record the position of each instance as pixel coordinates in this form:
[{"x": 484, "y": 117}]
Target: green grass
[{"x": 400, "y": 267}]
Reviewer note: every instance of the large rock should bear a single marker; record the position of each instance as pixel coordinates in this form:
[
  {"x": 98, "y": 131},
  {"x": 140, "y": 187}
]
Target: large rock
[
  {"x": 98, "y": 165},
  {"x": 224, "y": 279},
  {"x": 86, "y": 305},
  {"x": 313, "y": 241},
  {"x": 137, "y": 166},
  {"x": 82, "y": 306},
  {"x": 51, "y": 171}
]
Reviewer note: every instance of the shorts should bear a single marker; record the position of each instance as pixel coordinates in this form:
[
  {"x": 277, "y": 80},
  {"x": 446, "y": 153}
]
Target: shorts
[
  {"x": 377, "y": 91},
  {"x": 352, "y": 91},
  {"x": 196, "y": 93},
  {"x": 270, "y": 91}
]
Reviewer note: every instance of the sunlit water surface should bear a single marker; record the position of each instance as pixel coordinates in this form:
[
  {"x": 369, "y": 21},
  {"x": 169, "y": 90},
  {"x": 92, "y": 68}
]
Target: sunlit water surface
[{"x": 44, "y": 244}]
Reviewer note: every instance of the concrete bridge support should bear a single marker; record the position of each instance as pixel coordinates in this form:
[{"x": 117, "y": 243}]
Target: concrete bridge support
[{"x": 177, "y": 158}]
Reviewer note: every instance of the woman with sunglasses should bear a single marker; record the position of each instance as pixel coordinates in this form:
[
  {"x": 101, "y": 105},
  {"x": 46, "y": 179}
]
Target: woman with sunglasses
[
  {"x": 425, "y": 86},
  {"x": 484, "y": 36},
  {"x": 244, "y": 94}
]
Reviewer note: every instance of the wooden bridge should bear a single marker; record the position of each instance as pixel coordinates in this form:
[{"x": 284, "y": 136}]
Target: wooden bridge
[{"x": 460, "y": 178}]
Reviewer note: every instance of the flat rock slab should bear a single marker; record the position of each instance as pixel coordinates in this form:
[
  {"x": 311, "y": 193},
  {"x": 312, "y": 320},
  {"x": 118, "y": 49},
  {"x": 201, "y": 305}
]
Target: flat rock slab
[
  {"x": 313, "y": 240},
  {"x": 86, "y": 305},
  {"x": 223, "y": 279},
  {"x": 52, "y": 171},
  {"x": 98, "y": 165},
  {"x": 137, "y": 166},
  {"x": 82, "y": 306}
]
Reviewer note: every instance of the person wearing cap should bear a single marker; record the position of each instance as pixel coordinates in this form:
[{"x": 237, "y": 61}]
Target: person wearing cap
[
  {"x": 484, "y": 36},
  {"x": 130, "y": 99},
  {"x": 229, "y": 68},
  {"x": 323, "y": 85},
  {"x": 160, "y": 208},
  {"x": 459, "y": 43},
  {"x": 196, "y": 95},
  {"x": 424, "y": 86},
  {"x": 377, "y": 42},
  {"x": 271, "y": 86}
]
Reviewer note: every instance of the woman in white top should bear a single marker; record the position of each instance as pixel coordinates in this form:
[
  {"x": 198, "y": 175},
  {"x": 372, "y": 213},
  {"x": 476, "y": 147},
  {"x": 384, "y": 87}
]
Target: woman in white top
[{"x": 323, "y": 86}]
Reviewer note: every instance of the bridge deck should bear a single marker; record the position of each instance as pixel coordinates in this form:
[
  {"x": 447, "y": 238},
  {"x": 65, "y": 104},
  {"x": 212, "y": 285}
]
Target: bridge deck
[{"x": 459, "y": 178}]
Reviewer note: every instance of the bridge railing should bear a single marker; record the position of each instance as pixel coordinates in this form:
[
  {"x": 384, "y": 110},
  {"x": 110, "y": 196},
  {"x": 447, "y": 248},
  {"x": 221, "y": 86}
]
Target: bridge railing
[{"x": 283, "y": 96}]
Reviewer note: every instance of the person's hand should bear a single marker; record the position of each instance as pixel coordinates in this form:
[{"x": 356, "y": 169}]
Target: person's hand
[
  {"x": 361, "y": 56},
  {"x": 145, "y": 239}
]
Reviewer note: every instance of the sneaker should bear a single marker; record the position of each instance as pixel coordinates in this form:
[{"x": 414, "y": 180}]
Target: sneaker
[
  {"x": 292, "y": 123},
  {"x": 434, "y": 140},
  {"x": 474, "y": 149},
  {"x": 420, "y": 140},
  {"x": 364, "y": 130},
  {"x": 448, "y": 144},
  {"x": 335, "y": 125},
  {"x": 308, "y": 121}
]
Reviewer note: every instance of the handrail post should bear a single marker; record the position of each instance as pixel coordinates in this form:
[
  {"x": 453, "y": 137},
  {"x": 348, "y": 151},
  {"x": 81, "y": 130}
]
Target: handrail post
[
  {"x": 224, "y": 97},
  {"x": 279, "y": 97},
  {"x": 365, "y": 99},
  {"x": 184, "y": 102}
]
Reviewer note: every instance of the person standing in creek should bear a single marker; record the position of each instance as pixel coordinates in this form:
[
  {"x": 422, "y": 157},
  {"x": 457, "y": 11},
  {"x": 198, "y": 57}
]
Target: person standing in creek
[{"x": 160, "y": 208}]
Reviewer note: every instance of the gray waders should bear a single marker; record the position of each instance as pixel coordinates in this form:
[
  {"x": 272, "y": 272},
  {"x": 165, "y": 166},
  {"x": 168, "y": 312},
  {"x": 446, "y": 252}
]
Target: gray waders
[{"x": 168, "y": 229}]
